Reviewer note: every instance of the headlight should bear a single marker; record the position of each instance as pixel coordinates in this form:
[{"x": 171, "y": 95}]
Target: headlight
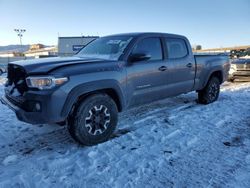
[
  {"x": 45, "y": 82},
  {"x": 232, "y": 68}
]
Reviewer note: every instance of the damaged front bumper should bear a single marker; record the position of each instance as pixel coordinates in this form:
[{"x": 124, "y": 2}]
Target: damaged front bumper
[
  {"x": 37, "y": 107},
  {"x": 22, "y": 115}
]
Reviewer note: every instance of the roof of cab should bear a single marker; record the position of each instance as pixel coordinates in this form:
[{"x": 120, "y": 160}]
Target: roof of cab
[{"x": 140, "y": 34}]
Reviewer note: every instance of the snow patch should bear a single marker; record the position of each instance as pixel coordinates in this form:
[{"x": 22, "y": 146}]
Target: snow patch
[
  {"x": 92, "y": 154},
  {"x": 222, "y": 122},
  {"x": 144, "y": 119},
  {"x": 3, "y": 80},
  {"x": 192, "y": 141},
  {"x": 248, "y": 159},
  {"x": 9, "y": 159},
  {"x": 173, "y": 134}
]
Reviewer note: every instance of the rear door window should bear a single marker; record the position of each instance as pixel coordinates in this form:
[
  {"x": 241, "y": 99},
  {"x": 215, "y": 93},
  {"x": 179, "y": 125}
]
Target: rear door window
[
  {"x": 152, "y": 46},
  {"x": 176, "y": 48}
]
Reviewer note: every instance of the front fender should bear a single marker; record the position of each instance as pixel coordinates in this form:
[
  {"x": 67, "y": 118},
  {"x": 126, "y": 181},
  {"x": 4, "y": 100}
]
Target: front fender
[{"x": 86, "y": 88}]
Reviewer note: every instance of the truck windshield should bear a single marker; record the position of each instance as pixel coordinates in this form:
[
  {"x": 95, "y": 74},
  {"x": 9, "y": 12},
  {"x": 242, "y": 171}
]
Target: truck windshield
[{"x": 110, "y": 48}]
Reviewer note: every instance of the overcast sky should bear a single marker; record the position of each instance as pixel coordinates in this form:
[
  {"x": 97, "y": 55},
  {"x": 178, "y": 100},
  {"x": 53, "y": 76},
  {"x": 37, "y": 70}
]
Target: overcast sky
[{"x": 211, "y": 23}]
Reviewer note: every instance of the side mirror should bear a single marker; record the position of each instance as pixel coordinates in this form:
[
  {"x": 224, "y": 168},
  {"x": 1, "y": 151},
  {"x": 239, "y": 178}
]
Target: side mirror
[{"x": 139, "y": 57}]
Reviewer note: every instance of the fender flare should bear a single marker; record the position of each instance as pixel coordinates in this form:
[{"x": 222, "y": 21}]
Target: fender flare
[
  {"x": 210, "y": 74},
  {"x": 89, "y": 87}
]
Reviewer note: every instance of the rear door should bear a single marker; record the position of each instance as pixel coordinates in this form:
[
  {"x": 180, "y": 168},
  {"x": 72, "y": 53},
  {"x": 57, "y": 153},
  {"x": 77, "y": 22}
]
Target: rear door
[
  {"x": 145, "y": 79},
  {"x": 180, "y": 66}
]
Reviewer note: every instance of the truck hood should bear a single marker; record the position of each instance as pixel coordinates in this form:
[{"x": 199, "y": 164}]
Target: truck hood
[{"x": 45, "y": 65}]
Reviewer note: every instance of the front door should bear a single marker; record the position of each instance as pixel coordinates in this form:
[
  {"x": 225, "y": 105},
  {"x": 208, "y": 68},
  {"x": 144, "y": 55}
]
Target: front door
[{"x": 146, "y": 78}]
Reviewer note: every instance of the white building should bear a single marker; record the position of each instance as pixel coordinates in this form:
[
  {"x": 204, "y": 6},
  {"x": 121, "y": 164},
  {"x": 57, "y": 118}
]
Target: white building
[
  {"x": 41, "y": 52},
  {"x": 8, "y": 54}
]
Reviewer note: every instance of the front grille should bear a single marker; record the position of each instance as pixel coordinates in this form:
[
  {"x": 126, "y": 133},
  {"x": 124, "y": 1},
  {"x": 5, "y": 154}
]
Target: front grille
[
  {"x": 16, "y": 78},
  {"x": 28, "y": 106},
  {"x": 243, "y": 66}
]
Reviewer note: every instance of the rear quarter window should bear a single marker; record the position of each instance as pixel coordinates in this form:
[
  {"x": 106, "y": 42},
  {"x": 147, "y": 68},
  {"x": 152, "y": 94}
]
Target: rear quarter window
[{"x": 176, "y": 48}]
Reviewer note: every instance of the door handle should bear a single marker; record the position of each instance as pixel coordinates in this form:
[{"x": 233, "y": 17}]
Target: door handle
[
  {"x": 163, "y": 68},
  {"x": 189, "y": 65}
]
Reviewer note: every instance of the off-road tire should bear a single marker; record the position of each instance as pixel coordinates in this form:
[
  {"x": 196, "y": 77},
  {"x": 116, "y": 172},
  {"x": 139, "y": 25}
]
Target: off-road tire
[
  {"x": 211, "y": 92},
  {"x": 94, "y": 120}
]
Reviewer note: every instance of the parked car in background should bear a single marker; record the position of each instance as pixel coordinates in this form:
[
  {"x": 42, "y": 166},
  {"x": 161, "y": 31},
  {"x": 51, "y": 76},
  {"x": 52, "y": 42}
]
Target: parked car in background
[
  {"x": 110, "y": 75},
  {"x": 240, "y": 70},
  {"x": 242, "y": 53}
]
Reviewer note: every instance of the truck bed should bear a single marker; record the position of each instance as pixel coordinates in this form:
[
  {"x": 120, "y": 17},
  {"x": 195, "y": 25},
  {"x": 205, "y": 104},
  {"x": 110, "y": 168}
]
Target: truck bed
[{"x": 207, "y": 63}]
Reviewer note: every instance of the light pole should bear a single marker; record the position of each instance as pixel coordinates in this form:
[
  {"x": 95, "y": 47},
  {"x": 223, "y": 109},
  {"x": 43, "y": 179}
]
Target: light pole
[{"x": 20, "y": 34}]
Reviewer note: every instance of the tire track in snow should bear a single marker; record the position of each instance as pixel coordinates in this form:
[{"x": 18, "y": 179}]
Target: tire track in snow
[
  {"x": 33, "y": 144},
  {"x": 30, "y": 145}
]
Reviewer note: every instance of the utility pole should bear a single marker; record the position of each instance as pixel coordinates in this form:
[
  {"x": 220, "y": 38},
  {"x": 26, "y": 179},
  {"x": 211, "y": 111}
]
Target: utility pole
[{"x": 20, "y": 34}]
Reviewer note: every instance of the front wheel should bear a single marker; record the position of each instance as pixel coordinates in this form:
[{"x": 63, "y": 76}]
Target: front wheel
[
  {"x": 95, "y": 120},
  {"x": 211, "y": 92}
]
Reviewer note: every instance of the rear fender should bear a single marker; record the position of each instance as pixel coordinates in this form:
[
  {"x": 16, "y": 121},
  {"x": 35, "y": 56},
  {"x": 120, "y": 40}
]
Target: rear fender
[{"x": 210, "y": 73}]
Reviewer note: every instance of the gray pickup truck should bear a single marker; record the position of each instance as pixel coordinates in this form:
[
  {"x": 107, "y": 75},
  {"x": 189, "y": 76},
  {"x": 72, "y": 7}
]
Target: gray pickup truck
[{"x": 110, "y": 75}]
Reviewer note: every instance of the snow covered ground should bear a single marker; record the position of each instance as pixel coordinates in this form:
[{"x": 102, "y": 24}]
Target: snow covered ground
[{"x": 171, "y": 143}]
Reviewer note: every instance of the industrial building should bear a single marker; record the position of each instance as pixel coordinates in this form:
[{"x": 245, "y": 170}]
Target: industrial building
[
  {"x": 68, "y": 46},
  {"x": 34, "y": 51},
  {"x": 39, "y": 51}
]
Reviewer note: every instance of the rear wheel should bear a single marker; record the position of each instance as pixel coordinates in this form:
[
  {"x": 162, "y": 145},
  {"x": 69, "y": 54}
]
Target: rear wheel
[
  {"x": 211, "y": 92},
  {"x": 94, "y": 120},
  {"x": 1, "y": 72}
]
